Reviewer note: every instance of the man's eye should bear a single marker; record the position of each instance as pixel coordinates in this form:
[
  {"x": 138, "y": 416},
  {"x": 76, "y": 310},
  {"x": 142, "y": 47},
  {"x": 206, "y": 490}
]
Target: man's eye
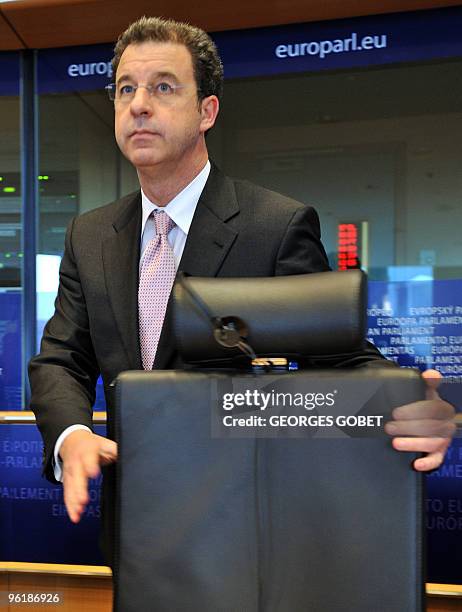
[
  {"x": 164, "y": 88},
  {"x": 126, "y": 90}
]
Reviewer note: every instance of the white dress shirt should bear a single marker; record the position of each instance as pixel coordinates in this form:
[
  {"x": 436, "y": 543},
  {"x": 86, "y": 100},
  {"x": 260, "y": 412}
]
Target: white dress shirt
[{"x": 181, "y": 210}]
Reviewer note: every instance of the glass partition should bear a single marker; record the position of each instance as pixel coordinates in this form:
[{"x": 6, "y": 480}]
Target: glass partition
[
  {"x": 10, "y": 236},
  {"x": 377, "y": 148},
  {"x": 80, "y": 169}
]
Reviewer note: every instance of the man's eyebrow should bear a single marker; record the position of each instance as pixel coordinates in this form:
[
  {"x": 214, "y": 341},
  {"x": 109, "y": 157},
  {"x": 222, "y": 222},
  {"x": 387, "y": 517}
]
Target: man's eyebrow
[
  {"x": 166, "y": 74},
  {"x": 124, "y": 77},
  {"x": 154, "y": 76}
]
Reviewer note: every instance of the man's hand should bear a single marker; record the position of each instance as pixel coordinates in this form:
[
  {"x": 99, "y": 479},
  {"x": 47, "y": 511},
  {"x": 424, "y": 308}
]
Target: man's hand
[
  {"x": 82, "y": 453},
  {"x": 429, "y": 423}
]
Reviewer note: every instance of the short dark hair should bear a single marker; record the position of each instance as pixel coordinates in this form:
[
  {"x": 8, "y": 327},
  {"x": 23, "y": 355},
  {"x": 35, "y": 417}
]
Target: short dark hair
[{"x": 208, "y": 69}]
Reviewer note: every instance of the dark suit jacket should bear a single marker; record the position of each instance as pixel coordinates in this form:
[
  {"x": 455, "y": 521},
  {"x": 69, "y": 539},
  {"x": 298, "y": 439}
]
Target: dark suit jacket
[{"x": 238, "y": 229}]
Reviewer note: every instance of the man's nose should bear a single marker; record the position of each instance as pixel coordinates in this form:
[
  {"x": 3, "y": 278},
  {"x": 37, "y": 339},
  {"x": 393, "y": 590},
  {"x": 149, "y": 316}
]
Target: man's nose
[{"x": 141, "y": 103}]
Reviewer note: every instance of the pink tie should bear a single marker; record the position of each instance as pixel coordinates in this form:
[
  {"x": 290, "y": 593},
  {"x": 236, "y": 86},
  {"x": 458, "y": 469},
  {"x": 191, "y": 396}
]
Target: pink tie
[{"x": 157, "y": 274}]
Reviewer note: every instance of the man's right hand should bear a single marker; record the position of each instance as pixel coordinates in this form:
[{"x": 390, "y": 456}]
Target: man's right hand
[{"x": 82, "y": 453}]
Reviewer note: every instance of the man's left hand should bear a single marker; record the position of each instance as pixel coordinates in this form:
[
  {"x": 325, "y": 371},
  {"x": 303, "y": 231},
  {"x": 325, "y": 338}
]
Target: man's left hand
[{"x": 424, "y": 427}]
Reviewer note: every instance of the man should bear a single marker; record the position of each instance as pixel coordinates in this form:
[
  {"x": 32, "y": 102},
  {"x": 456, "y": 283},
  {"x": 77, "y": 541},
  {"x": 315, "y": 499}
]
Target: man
[{"x": 120, "y": 260}]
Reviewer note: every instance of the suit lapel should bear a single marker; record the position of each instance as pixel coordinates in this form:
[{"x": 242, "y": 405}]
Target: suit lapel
[
  {"x": 208, "y": 243},
  {"x": 210, "y": 238},
  {"x": 121, "y": 253}
]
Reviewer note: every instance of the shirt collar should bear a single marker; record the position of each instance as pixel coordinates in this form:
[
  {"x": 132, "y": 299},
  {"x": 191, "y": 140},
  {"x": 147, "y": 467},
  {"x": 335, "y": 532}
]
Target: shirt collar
[{"x": 181, "y": 209}]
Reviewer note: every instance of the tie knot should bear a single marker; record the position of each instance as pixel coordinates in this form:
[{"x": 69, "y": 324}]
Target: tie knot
[{"x": 162, "y": 222}]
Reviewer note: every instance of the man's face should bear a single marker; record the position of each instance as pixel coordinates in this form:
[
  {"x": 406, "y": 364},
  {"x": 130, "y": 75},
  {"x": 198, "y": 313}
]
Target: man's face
[{"x": 165, "y": 127}]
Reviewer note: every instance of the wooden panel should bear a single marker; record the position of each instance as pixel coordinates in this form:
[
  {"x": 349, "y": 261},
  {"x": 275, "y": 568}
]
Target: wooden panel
[
  {"x": 25, "y": 416},
  {"x": 57, "y": 23},
  {"x": 8, "y": 38},
  {"x": 79, "y": 594},
  {"x": 62, "y": 569},
  {"x": 443, "y": 604}
]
